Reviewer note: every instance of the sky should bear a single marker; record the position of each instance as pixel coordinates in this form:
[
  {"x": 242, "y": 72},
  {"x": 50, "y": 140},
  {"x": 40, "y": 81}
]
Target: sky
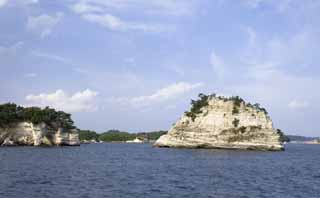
[{"x": 134, "y": 65}]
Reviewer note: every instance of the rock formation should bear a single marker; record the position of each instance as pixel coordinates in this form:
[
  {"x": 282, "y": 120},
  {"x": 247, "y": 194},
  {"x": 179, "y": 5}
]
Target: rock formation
[
  {"x": 226, "y": 123},
  {"x": 36, "y": 126},
  {"x": 26, "y": 133}
]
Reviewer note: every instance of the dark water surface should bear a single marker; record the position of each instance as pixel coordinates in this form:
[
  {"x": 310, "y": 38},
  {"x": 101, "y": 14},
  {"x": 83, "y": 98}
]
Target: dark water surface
[{"x": 138, "y": 170}]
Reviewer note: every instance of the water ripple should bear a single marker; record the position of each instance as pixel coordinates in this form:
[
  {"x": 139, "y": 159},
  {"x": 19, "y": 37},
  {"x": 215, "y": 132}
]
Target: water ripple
[{"x": 138, "y": 170}]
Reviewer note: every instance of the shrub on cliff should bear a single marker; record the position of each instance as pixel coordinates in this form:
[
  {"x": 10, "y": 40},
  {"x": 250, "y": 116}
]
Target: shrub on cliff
[
  {"x": 236, "y": 122},
  {"x": 203, "y": 101},
  {"x": 283, "y": 137},
  {"x": 154, "y": 135},
  {"x": 196, "y": 106},
  {"x": 11, "y": 114},
  {"x": 257, "y": 106}
]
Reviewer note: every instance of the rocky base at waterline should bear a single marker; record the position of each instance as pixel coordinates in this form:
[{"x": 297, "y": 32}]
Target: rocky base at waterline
[{"x": 224, "y": 123}]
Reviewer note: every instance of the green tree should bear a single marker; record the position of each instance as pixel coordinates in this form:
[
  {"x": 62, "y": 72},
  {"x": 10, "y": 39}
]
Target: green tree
[
  {"x": 11, "y": 114},
  {"x": 88, "y": 135},
  {"x": 196, "y": 106}
]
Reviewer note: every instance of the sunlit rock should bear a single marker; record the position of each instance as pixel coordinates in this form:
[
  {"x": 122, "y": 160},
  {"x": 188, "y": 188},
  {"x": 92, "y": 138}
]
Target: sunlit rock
[{"x": 226, "y": 123}]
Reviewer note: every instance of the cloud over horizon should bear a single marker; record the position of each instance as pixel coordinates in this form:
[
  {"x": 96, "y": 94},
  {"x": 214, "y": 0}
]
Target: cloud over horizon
[
  {"x": 167, "y": 93},
  {"x": 296, "y": 104},
  {"x": 111, "y": 14},
  {"x": 78, "y": 102},
  {"x": 17, "y": 2},
  {"x": 43, "y": 24}
]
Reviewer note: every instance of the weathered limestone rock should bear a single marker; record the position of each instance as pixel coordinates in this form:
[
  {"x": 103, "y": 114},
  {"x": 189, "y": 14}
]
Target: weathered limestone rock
[
  {"x": 26, "y": 133},
  {"x": 226, "y": 124}
]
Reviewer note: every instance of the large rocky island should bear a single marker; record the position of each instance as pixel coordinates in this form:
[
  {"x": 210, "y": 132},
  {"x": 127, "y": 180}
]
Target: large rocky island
[
  {"x": 34, "y": 126},
  {"x": 224, "y": 123}
]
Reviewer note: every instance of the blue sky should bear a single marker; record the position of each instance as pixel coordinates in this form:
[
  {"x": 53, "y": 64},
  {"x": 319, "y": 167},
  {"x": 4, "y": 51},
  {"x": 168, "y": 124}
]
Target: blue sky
[{"x": 135, "y": 64}]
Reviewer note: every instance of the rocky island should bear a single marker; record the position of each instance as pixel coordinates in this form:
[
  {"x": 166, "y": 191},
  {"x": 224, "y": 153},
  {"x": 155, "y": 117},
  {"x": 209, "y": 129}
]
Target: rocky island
[
  {"x": 224, "y": 123},
  {"x": 34, "y": 126}
]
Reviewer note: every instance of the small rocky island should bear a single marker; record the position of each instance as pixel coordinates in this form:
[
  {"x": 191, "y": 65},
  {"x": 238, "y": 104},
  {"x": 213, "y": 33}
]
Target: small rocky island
[
  {"x": 224, "y": 123},
  {"x": 33, "y": 126}
]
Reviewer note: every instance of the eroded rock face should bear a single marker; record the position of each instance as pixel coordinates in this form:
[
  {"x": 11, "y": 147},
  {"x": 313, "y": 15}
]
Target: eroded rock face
[
  {"x": 224, "y": 124},
  {"x": 26, "y": 133}
]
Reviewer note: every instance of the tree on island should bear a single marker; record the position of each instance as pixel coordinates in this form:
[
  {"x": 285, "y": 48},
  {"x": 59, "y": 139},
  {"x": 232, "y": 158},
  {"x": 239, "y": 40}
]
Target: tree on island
[
  {"x": 11, "y": 114},
  {"x": 87, "y": 135},
  {"x": 197, "y": 105}
]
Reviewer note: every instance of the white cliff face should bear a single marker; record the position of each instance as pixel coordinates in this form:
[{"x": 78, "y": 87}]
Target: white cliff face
[
  {"x": 26, "y": 133},
  {"x": 218, "y": 126},
  {"x": 67, "y": 137}
]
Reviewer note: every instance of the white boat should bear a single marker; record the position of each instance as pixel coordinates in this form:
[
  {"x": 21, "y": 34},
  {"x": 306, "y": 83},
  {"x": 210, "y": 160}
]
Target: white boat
[{"x": 136, "y": 140}]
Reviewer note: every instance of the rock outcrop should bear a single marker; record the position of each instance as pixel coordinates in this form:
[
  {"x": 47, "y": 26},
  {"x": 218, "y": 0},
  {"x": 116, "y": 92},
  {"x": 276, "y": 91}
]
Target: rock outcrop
[
  {"x": 224, "y": 123},
  {"x": 27, "y": 133}
]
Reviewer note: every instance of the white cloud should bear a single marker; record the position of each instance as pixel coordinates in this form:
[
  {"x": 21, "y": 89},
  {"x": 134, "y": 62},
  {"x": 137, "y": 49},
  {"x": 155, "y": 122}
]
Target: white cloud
[
  {"x": 291, "y": 7},
  {"x": 106, "y": 20},
  {"x": 115, "y": 23},
  {"x": 218, "y": 65},
  {"x": 25, "y": 2},
  {"x": 3, "y": 3},
  {"x": 151, "y": 7},
  {"x": 11, "y": 50},
  {"x": 51, "y": 57},
  {"x": 296, "y": 104},
  {"x": 83, "y": 7},
  {"x": 78, "y": 102},
  {"x": 111, "y": 13},
  {"x": 43, "y": 24},
  {"x": 253, "y": 3},
  {"x": 17, "y": 2},
  {"x": 30, "y": 75},
  {"x": 164, "y": 94}
]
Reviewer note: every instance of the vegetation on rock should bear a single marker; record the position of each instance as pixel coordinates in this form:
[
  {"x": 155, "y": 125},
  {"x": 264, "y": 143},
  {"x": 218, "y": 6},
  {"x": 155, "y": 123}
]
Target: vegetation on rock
[
  {"x": 11, "y": 114},
  {"x": 283, "y": 137},
  {"x": 197, "y": 105},
  {"x": 236, "y": 122},
  {"x": 237, "y": 103}
]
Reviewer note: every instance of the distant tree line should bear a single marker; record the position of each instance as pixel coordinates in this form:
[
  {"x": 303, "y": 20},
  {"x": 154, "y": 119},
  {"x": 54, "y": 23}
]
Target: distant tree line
[
  {"x": 299, "y": 138},
  {"x": 88, "y": 135},
  {"x": 116, "y": 135},
  {"x": 11, "y": 114}
]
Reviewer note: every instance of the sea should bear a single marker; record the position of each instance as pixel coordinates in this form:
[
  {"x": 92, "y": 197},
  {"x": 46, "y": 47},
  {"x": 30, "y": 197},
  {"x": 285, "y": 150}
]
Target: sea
[{"x": 140, "y": 170}]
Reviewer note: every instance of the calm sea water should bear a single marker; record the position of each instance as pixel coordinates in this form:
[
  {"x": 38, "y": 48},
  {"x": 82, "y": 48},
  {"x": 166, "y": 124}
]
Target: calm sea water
[{"x": 138, "y": 170}]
